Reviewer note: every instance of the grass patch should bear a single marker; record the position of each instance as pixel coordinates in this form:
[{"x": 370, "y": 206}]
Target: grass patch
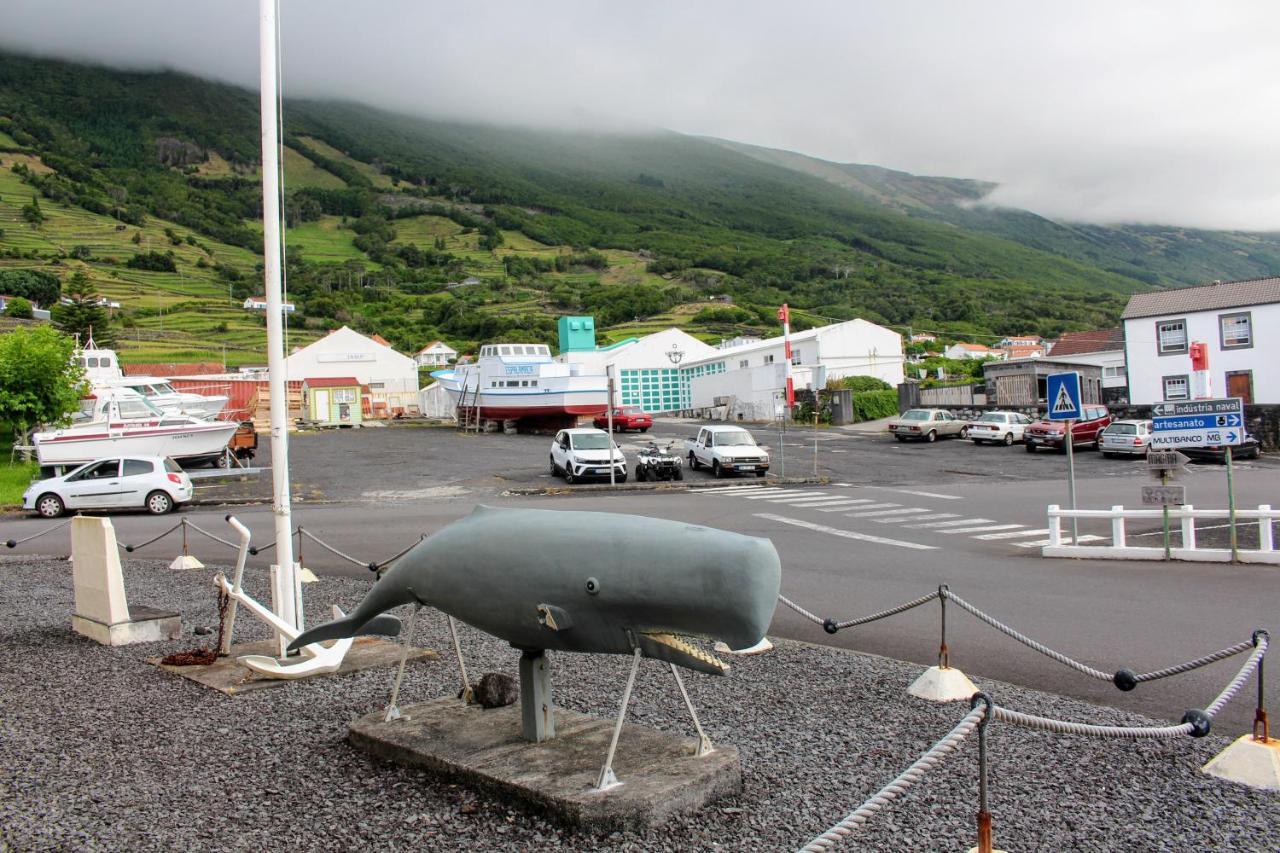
[
  {"x": 324, "y": 149},
  {"x": 14, "y": 479},
  {"x": 300, "y": 172}
]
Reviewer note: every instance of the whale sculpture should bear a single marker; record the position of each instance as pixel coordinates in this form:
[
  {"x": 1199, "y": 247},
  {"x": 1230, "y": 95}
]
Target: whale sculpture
[{"x": 582, "y": 582}]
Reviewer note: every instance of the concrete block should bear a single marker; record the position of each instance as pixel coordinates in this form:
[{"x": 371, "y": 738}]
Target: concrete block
[
  {"x": 943, "y": 685},
  {"x": 144, "y": 625},
  {"x": 1250, "y": 762},
  {"x": 95, "y": 572},
  {"x": 661, "y": 776}
]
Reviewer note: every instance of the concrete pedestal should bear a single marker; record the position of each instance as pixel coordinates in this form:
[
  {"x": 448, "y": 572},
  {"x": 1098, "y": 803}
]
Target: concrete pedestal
[
  {"x": 660, "y": 775},
  {"x": 102, "y": 611},
  {"x": 1250, "y": 762},
  {"x": 144, "y": 625}
]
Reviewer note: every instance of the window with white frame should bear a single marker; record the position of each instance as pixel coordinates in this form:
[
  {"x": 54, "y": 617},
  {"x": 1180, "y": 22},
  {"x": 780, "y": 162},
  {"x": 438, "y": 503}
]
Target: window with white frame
[
  {"x": 742, "y": 365},
  {"x": 768, "y": 359},
  {"x": 1113, "y": 372},
  {"x": 795, "y": 356},
  {"x": 1237, "y": 330},
  {"x": 1171, "y": 336},
  {"x": 1177, "y": 388},
  {"x": 344, "y": 395}
]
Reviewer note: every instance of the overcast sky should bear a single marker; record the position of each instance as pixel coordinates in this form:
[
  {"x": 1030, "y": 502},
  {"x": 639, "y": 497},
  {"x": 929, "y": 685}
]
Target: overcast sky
[{"x": 1094, "y": 111}]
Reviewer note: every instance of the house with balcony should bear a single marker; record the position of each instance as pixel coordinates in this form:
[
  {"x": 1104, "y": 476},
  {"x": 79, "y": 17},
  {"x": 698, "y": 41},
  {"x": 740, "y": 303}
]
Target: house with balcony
[{"x": 1239, "y": 321}]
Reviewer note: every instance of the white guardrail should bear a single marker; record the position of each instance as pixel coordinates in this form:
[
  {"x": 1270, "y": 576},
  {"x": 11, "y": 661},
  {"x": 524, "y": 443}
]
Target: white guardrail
[{"x": 1060, "y": 545}]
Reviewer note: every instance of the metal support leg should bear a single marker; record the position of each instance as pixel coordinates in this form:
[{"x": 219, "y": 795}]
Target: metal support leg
[
  {"x": 393, "y": 710},
  {"x": 607, "y": 780},
  {"x": 704, "y": 742},
  {"x": 466, "y": 694},
  {"x": 537, "y": 712}
]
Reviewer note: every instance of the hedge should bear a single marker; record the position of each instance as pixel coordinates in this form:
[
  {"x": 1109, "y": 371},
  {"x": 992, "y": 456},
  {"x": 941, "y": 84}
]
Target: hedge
[{"x": 873, "y": 405}]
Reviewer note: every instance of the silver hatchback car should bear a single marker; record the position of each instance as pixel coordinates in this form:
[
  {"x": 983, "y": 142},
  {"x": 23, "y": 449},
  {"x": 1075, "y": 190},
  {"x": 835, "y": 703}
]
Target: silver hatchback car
[{"x": 1125, "y": 438}]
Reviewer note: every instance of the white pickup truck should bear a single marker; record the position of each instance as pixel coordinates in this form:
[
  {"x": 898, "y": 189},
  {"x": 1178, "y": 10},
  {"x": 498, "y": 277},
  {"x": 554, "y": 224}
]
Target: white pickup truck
[{"x": 726, "y": 449}]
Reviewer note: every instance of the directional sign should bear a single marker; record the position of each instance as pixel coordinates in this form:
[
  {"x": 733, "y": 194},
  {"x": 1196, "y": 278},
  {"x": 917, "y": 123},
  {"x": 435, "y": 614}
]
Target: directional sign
[
  {"x": 1164, "y": 495},
  {"x": 1062, "y": 391},
  {"x": 1160, "y": 462},
  {"x": 1198, "y": 423}
]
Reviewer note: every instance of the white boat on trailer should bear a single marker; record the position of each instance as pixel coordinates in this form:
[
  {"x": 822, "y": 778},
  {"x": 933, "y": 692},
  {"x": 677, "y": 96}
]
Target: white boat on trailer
[
  {"x": 521, "y": 382},
  {"x": 122, "y": 423},
  {"x": 103, "y": 370}
]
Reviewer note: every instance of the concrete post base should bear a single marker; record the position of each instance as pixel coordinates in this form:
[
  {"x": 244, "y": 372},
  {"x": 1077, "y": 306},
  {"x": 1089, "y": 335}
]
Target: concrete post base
[
  {"x": 942, "y": 685},
  {"x": 1249, "y": 762},
  {"x": 145, "y": 625},
  {"x": 185, "y": 561}
]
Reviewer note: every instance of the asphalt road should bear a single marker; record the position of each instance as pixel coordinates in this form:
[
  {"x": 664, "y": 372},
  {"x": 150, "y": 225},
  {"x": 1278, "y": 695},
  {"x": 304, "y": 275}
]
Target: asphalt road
[{"x": 895, "y": 522}]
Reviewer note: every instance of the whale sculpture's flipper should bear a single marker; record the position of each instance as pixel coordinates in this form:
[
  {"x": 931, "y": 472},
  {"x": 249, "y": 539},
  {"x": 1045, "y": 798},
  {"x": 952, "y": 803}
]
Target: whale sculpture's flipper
[
  {"x": 383, "y": 625},
  {"x": 555, "y": 618}
]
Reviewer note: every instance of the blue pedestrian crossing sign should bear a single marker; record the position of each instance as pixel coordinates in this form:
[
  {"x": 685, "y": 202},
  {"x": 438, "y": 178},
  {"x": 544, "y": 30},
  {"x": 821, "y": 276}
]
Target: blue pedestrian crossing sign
[{"x": 1062, "y": 392}]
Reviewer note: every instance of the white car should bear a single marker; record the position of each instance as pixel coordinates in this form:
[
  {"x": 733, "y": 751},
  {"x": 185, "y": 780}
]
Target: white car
[
  {"x": 1125, "y": 438},
  {"x": 153, "y": 483},
  {"x": 586, "y": 452},
  {"x": 998, "y": 427}
]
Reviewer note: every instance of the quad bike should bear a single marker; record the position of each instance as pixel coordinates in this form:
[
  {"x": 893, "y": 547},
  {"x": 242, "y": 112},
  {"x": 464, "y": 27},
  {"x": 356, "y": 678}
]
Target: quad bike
[{"x": 656, "y": 463}]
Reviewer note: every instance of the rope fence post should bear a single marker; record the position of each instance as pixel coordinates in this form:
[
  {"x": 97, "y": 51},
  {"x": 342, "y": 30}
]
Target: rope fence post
[
  {"x": 1252, "y": 759},
  {"x": 984, "y": 810},
  {"x": 1260, "y": 723},
  {"x": 184, "y": 560},
  {"x": 943, "y": 683},
  {"x": 943, "y": 657}
]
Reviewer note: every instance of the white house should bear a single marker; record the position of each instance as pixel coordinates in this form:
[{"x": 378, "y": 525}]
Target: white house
[
  {"x": 392, "y": 378},
  {"x": 963, "y": 351},
  {"x": 1238, "y": 320},
  {"x": 435, "y": 354},
  {"x": 259, "y": 303},
  {"x": 1102, "y": 348}
]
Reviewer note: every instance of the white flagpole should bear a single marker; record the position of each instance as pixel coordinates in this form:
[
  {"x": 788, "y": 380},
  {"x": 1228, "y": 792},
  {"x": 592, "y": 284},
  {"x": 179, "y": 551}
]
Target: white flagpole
[{"x": 287, "y": 605}]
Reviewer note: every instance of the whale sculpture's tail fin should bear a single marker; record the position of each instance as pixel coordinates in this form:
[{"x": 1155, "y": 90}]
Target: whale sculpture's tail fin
[{"x": 359, "y": 623}]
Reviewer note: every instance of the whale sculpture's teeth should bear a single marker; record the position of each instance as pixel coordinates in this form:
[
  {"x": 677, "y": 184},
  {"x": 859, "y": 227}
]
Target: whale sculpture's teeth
[{"x": 669, "y": 647}]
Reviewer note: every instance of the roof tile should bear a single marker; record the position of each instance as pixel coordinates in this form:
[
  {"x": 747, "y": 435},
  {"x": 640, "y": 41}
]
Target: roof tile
[{"x": 1205, "y": 297}]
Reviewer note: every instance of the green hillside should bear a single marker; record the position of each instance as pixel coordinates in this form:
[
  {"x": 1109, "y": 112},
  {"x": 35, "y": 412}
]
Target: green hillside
[
  {"x": 1149, "y": 253},
  {"x": 390, "y": 218}
]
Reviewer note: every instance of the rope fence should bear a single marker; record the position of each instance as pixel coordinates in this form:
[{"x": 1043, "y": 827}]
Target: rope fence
[{"x": 1124, "y": 679}]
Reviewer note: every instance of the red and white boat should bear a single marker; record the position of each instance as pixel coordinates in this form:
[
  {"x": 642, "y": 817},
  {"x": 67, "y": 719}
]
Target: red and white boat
[
  {"x": 124, "y": 422},
  {"x": 520, "y": 381}
]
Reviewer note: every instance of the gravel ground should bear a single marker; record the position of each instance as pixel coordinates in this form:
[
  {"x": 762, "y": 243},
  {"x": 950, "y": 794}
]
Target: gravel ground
[{"x": 99, "y": 750}]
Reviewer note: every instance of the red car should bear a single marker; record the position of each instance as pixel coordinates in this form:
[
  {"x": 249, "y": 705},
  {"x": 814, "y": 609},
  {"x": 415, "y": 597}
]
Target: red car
[
  {"x": 625, "y": 418},
  {"x": 1046, "y": 433}
]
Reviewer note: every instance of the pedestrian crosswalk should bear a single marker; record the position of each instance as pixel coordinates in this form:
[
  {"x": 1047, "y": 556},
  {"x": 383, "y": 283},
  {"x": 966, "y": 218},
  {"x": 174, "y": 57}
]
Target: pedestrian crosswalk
[{"x": 925, "y": 519}]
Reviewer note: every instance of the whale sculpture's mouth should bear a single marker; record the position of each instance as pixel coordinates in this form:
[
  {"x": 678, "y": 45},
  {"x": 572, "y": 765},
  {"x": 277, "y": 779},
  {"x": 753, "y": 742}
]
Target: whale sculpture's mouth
[{"x": 677, "y": 650}]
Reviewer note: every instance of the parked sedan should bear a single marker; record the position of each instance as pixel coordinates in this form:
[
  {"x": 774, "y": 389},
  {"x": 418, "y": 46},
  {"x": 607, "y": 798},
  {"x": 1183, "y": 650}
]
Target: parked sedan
[
  {"x": 154, "y": 483},
  {"x": 1248, "y": 449},
  {"x": 926, "y": 425},
  {"x": 625, "y": 418},
  {"x": 1125, "y": 438},
  {"x": 998, "y": 428}
]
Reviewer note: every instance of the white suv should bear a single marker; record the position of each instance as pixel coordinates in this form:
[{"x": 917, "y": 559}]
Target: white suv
[{"x": 580, "y": 453}]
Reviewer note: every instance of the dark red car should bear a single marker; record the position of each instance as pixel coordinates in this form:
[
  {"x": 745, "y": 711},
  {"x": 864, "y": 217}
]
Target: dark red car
[
  {"x": 625, "y": 418},
  {"x": 1052, "y": 434}
]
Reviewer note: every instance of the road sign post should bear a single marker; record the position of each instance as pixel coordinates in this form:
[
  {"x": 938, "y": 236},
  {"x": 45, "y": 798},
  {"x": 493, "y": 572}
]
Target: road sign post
[
  {"x": 1165, "y": 464},
  {"x": 1231, "y": 509},
  {"x": 1062, "y": 394},
  {"x": 1204, "y": 423}
]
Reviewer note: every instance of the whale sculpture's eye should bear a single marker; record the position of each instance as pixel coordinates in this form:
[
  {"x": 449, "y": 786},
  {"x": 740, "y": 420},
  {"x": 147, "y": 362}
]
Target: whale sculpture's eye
[{"x": 593, "y": 586}]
